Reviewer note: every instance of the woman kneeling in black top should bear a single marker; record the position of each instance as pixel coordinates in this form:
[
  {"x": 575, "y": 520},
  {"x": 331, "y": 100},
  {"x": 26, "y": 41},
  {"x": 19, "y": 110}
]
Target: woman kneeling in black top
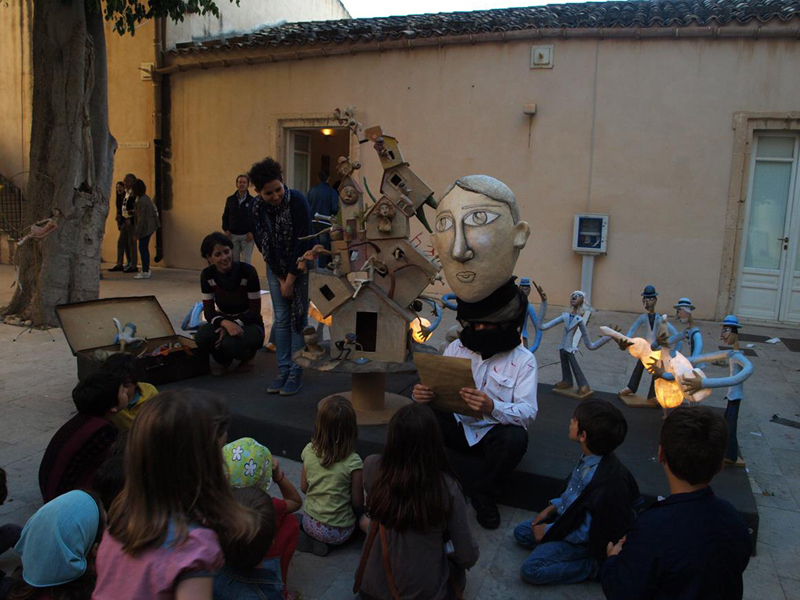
[{"x": 231, "y": 305}]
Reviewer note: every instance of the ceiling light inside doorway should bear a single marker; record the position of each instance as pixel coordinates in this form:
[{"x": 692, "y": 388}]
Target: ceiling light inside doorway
[{"x": 327, "y": 131}]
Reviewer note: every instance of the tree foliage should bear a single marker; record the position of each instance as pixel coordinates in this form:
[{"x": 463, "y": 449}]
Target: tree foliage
[{"x": 126, "y": 14}]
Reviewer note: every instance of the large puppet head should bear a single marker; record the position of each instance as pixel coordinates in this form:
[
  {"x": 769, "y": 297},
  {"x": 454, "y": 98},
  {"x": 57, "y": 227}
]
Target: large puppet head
[{"x": 478, "y": 236}]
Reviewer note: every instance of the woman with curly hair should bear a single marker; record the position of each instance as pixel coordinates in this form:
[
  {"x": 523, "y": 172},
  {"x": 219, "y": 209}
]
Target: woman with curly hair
[{"x": 281, "y": 217}]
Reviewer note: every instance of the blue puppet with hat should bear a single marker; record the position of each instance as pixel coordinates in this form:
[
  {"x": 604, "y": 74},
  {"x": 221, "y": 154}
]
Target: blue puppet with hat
[
  {"x": 650, "y": 320},
  {"x": 691, "y": 334},
  {"x": 740, "y": 370}
]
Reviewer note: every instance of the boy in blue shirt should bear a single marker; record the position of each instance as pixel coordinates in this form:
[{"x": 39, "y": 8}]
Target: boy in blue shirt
[
  {"x": 569, "y": 537},
  {"x": 691, "y": 544}
]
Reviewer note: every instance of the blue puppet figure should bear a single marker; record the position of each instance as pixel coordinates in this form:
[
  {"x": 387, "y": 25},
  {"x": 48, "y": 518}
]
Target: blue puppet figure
[
  {"x": 741, "y": 369},
  {"x": 650, "y": 320},
  {"x": 573, "y": 320},
  {"x": 691, "y": 334},
  {"x": 525, "y": 287}
]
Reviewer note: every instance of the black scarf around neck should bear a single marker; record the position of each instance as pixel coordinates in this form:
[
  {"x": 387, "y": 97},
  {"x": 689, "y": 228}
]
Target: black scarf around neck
[{"x": 506, "y": 307}]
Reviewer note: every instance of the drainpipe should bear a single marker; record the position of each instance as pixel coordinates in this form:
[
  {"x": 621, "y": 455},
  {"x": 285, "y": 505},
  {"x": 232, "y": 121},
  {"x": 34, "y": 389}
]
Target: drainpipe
[{"x": 158, "y": 101}]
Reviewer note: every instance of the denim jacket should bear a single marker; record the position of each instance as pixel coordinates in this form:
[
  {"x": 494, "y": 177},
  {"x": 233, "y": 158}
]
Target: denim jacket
[{"x": 262, "y": 582}]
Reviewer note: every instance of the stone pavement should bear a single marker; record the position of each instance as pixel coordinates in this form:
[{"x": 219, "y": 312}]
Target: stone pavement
[{"x": 38, "y": 374}]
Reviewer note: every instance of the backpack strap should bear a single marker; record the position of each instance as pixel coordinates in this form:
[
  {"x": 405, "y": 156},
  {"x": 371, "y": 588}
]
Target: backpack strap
[
  {"x": 387, "y": 567},
  {"x": 362, "y": 564}
]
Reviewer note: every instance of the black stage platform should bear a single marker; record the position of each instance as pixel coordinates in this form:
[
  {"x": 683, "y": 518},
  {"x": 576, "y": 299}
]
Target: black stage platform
[{"x": 285, "y": 425}]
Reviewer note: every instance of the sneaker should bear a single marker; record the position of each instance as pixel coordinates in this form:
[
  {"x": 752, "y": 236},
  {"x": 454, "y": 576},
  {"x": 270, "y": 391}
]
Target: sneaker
[
  {"x": 486, "y": 512},
  {"x": 305, "y": 543},
  {"x": 116, "y": 269},
  {"x": 142, "y": 275},
  {"x": 130, "y": 270},
  {"x": 292, "y": 386},
  {"x": 277, "y": 385},
  {"x": 562, "y": 385}
]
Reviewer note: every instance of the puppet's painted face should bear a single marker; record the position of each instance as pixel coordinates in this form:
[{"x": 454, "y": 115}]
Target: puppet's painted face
[
  {"x": 683, "y": 315},
  {"x": 477, "y": 242},
  {"x": 576, "y": 300},
  {"x": 729, "y": 336},
  {"x": 649, "y": 303}
]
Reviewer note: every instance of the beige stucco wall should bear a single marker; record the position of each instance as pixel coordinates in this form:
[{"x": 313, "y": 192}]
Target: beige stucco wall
[
  {"x": 16, "y": 89},
  {"x": 637, "y": 129},
  {"x": 251, "y": 14},
  {"x": 130, "y": 116}
]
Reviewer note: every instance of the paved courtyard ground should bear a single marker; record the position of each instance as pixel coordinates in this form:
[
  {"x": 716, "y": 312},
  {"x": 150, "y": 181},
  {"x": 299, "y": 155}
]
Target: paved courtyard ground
[{"x": 39, "y": 372}]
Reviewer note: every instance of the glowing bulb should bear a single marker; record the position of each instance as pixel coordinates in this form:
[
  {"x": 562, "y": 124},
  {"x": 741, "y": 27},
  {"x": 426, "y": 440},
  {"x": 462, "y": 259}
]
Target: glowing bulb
[
  {"x": 327, "y": 131},
  {"x": 419, "y": 334}
]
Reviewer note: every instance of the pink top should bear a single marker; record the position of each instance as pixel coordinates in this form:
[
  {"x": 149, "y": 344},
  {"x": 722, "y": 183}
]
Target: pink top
[{"x": 155, "y": 573}]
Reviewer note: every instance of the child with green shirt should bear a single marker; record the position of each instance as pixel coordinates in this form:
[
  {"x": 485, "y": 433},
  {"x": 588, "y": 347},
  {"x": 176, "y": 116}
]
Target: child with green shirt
[{"x": 331, "y": 478}]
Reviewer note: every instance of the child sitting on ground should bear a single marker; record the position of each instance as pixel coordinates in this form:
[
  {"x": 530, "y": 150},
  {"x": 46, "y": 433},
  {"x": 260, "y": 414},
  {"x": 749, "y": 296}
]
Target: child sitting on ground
[
  {"x": 569, "y": 537},
  {"x": 331, "y": 478},
  {"x": 252, "y": 465},
  {"x": 126, "y": 367},
  {"x": 58, "y": 547},
  {"x": 83, "y": 443},
  {"x": 691, "y": 544},
  {"x": 247, "y": 574},
  {"x": 164, "y": 527}
]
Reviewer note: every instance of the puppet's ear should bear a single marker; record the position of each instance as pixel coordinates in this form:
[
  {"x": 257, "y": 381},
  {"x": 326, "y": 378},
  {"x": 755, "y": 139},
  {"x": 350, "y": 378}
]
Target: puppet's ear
[{"x": 521, "y": 233}]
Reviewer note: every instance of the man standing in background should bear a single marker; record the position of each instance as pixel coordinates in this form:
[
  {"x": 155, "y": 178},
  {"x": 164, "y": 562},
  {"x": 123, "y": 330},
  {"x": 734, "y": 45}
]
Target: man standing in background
[
  {"x": 237, "y": 222},
  {"x": 324, "y": 200}
]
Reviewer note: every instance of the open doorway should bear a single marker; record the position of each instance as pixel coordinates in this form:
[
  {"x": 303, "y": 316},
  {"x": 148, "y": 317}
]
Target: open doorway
[{"x": 311, "y": 151}]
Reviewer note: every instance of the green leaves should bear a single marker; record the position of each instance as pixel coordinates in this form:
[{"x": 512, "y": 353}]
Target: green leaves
[{"x": 127, "y": 14}]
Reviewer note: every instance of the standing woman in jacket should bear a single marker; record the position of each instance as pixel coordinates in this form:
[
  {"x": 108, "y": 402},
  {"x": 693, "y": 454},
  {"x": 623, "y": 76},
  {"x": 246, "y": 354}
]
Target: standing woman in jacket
[
  {"x": 145, "y": 224},
  {"x": 281, "y": 218}
]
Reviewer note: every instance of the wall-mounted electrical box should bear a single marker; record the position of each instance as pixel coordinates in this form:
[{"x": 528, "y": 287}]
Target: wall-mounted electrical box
[{"x": 590, "y": 233}]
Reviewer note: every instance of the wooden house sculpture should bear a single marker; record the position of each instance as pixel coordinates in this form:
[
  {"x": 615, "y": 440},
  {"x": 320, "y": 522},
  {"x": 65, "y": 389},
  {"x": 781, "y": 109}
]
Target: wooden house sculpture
[{"x": 376, "y": 273}]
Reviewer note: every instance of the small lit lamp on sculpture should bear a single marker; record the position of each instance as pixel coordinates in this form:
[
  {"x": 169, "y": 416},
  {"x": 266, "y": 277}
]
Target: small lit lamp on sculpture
[{"x": 669, "y": 393}]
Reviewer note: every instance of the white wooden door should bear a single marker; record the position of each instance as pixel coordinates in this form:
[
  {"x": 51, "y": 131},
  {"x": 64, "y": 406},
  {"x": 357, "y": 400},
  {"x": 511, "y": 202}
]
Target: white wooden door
[
  {"x": 298, "y": 172},
  {"x": 769, "y": 280}
]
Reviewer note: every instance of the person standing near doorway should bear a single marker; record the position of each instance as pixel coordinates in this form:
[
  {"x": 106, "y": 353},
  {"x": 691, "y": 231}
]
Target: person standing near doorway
[
  {"x": 127, "y": 240},
  {"x": 146, "y": 223},
  {"x": 324, "y": 200},
  {"x": 281, "y": 217},
  {"x": 237, "y": 222}
]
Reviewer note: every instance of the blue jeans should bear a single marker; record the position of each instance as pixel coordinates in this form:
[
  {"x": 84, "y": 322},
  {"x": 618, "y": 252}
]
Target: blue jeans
[
  {"x": 144, "y": 252},
  {"x": 554, "y": 562},
  {"x": 263, "y": 581},
  {"x": 287, "y": 341}
]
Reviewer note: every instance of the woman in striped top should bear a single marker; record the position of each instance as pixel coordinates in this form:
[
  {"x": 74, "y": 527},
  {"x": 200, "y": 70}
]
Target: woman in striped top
[{"x": 231, "y": 305}]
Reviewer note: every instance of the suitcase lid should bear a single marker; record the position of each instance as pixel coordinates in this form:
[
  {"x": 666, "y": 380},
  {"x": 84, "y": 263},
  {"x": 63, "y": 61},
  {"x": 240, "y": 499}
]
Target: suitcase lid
[{"x": 88, "y": 325}]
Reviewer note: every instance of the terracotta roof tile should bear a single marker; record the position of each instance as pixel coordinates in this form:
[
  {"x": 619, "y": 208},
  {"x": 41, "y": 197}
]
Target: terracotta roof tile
[{"x": 632, "y": 14}]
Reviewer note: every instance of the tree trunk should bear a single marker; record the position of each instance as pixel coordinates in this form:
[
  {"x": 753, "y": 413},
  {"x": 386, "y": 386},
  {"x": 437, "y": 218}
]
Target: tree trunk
[{"x": 71, "y": 161}]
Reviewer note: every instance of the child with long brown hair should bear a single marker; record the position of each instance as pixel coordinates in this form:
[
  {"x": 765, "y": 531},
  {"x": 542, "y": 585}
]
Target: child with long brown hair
[
  {"x": 417, "y": 506},
  {"x": 331, "y": 478},
  {"x": 165, "y": 527}
]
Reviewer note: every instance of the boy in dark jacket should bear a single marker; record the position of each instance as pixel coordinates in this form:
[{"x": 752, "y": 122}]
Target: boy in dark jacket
[
  {"x": 691, "y": 544},
  {"x": 570, "y": 536}
]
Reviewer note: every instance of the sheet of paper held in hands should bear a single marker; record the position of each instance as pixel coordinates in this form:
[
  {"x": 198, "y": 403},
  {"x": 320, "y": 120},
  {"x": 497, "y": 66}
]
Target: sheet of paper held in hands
[{"x": 446, "y": 375}]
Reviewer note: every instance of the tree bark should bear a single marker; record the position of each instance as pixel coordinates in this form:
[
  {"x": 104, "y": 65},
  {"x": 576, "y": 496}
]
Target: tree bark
[{"x": 71, "y": 160}]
